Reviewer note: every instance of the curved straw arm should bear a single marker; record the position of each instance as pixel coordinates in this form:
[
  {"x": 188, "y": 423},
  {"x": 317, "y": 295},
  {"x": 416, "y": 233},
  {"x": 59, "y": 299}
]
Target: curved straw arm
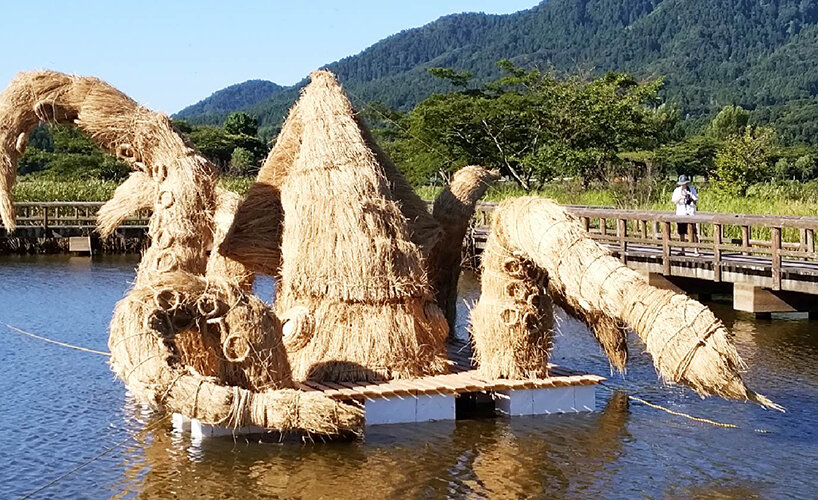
[{"x": 689, "y": 345}]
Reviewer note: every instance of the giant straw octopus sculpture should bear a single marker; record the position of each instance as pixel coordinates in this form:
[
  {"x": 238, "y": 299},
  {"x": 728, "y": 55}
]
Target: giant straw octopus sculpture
[{"x": 366, "y": 275}]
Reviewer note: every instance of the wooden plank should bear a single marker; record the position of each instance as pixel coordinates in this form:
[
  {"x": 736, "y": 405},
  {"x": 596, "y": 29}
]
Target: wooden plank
[
  {"x": 717, "y": 236},
  {"x": 666, "y": 248},
  {"x": 745, "y": 237},
  {"x": 622, "y": 233},
  {"x": 426, "y": 386},
  {"x": 775, "y": 237},
  {"x": 351, "y": 389}
]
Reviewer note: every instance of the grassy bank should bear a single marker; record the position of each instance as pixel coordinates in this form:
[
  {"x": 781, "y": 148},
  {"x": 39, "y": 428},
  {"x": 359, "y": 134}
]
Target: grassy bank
[
  {"x": 38, "y": 189},
  {"x": 791, "y": 198}
]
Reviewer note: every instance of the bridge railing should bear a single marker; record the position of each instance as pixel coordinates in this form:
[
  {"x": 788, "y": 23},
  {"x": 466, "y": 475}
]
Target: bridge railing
[
  {"x": 67, "y": 214},
  {"x": 628, "y": 233}
]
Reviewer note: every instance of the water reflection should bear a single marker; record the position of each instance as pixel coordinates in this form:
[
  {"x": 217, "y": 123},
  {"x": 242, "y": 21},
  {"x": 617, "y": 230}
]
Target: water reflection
[
  {"x": 497, "y": 458},
  {"x": 60, "y": 408}
]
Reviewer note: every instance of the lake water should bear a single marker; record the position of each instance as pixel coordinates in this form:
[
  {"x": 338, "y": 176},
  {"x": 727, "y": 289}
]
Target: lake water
[{"x": 62, "y": 407}]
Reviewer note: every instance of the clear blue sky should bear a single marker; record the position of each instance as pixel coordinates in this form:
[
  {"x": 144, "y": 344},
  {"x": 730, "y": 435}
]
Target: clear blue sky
[{"x": 168, "y": 54}]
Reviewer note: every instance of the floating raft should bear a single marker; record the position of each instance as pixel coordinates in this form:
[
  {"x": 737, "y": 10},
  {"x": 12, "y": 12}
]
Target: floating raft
[{"x": 436, "y": 397}]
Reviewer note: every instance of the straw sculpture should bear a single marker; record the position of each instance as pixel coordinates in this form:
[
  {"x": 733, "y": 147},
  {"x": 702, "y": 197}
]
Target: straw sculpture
[
  {"x": 182, "y": 340},
  {"x": 363, "y": 269},
  {"x": 135, "y": 194},
  {"x": 689, "y": 345},
  {"x": 513, "y": 319},
  {"x": 254, "y": 239},
  {"x": 352, "y": 281},
  {"x": 453, "y": 210},
  {"x": 220, "y": 265}
]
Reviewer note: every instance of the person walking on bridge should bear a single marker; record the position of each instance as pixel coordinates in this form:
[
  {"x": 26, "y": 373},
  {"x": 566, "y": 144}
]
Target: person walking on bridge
[{"x": 685, "y": 197}]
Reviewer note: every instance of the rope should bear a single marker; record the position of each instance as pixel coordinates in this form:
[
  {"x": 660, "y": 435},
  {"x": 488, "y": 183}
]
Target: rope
[
  {"x": 688, "y": 416},
  {"x": 91, "y": 460},
  {"x": 62, "y": 344}
]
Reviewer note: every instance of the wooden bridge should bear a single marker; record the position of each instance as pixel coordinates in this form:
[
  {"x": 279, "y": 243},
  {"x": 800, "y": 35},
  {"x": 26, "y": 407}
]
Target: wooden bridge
[
  {"x": 67, "y": 216},
  {"x": 768, "y": 262}
]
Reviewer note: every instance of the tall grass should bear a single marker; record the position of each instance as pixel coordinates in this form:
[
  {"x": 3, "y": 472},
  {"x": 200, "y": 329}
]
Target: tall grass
[
  {"x": 41, "y": 189},
  {"x": 787, "y": 198}
]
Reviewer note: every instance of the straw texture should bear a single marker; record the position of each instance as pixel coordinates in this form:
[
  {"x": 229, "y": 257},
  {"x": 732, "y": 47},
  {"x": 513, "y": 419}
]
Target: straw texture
[
  {"x": 453, "y": 211},
  {"x": 512, "y": 322},
  {"x": 138, "y": 192},
  {"x": 689, "y": 345},
  {"x": 186, "y": 338},
  {"x": 348, "y": 257}
]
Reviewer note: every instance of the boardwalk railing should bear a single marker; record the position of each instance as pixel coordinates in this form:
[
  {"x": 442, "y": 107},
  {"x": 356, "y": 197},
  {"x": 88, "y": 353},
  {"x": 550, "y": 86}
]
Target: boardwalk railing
[
  {"x": 779, "y": 245},
  {"x": 776, "y": 248},
  {"x": 67, "y": 215}
]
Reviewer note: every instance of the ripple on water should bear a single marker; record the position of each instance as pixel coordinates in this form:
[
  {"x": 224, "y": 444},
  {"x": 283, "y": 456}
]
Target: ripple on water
[{"x": 63, "y": 407}]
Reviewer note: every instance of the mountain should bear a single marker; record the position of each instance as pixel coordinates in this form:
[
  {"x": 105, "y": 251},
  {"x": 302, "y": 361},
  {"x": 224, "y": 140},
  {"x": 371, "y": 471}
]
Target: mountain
[
  {"x": 234, "y": 97},
  {"x": 760, "y": 54}
]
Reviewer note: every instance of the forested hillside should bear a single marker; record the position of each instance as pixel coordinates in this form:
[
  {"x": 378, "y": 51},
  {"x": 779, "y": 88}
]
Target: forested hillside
[
  {"x": 761, "y": 55},
  {"x": 238, "y": 96}
]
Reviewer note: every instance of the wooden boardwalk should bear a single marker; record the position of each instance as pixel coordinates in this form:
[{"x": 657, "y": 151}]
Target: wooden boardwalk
[
  {"x": 462, "y": 379},
  {"x": 772, "y": 252},
  {"x": 434, "y": 398}
]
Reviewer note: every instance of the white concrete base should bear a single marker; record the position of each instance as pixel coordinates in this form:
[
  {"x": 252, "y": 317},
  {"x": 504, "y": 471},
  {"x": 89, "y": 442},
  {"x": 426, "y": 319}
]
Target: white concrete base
[
  {"x": 180, "y": 422},
  {"x": 199, "y": 430},
  {"x": 755, "y": 299},
  {"x": 545, "y": 401},
  {"x": 429, "y": 408},
  {"x": 80, "y": 244},
  {"x": 409, "y": 409}
]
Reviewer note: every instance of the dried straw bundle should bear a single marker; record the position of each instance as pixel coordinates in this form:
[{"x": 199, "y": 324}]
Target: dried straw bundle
[
  {"x": 347, "y": 256},
  {"x": 138, "y": 192},
  {"x": 237, "y": 338},
  {"x": 145, "y": 355},
  {"x": 219, "y": 265},
  {"x": 689, "y": 345},
  {"x": 183, "y": 203},
  {"x": 254, "y": 238},
  {"x": 512, "y": 322},
  {"x": 453, "y": 210}
]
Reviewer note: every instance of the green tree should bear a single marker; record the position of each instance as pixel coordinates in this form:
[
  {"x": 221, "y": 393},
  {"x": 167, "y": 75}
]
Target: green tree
[
  {"x": 242, "y": 162},
  {"x": 214, "y": 143},
  {"x": 534, "y": 125},
  {"x": 742, "y": 159},
  {"x": 731, "y": 120},
  {"x": 691, "y": 156},
  {"x": 241, "y": 124}
]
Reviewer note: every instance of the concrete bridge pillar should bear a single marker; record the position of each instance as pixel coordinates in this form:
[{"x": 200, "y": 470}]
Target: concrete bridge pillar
[
  {"x": 760, "y": 301},
  {"x": 659, "y": 281}
]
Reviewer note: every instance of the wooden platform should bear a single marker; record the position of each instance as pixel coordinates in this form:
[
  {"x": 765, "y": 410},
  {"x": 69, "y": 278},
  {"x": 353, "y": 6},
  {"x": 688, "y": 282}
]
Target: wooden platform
[
  {"x": 463, "y": 379},
  {"x": 435, "y": 397}
]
